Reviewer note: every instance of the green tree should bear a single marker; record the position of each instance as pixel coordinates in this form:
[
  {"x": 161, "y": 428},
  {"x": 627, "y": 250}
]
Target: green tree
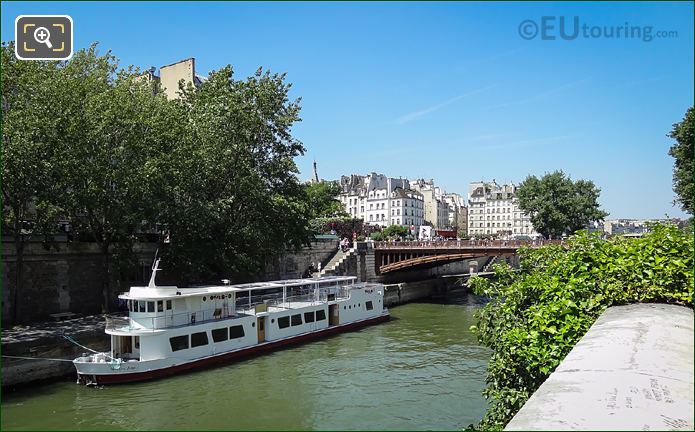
[
  {"x": 557, "y": 205},
  {"x": 537, "y": 315},
  {"x": 393, "y": 231},
  {"x": 117, "y": 131},
  {"x": 31, "y": 114},
  {"x": 683, "y": 153},
  {"x": 322, "y": 201},
  {"x": 233, "y": 200}
]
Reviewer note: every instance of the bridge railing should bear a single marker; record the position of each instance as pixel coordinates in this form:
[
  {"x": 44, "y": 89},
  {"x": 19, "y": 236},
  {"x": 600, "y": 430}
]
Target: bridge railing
[{"x": 463, "y": 244}]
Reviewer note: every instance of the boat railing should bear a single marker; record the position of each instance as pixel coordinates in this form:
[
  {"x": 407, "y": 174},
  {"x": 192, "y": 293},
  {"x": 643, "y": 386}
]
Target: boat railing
[{"x": 244, "y": 306}]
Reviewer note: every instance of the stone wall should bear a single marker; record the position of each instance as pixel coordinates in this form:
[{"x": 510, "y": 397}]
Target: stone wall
[
  {"x": 292, "y": 265},
  {"x": 67, "y": 277}
]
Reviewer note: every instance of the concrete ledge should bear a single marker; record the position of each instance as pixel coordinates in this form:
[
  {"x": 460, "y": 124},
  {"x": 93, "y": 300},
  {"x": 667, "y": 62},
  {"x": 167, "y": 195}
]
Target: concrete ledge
[{"x": 633, "y": 370}]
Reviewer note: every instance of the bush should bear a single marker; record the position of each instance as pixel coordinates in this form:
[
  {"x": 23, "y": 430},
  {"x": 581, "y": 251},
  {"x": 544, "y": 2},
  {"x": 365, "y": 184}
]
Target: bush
[
  {"x": 377, "y": 236},
  {"x": 343, "y": 227},
  {"x": 537, "y": 315}
]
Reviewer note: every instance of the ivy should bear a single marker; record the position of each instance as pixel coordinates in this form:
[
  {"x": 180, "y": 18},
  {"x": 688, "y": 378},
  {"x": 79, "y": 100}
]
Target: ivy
[{"x": 535, "y": 316}]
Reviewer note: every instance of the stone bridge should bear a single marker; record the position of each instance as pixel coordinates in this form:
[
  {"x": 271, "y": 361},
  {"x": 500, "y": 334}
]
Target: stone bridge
[{"x": 391, "y": 256}]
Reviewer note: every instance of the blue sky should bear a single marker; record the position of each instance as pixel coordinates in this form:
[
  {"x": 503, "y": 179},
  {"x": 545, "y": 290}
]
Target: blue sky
[{"x": 448, "y": 91}]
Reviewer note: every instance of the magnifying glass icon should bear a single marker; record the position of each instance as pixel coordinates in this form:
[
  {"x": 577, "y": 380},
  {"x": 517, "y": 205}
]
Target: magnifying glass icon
[{"x": 42, "y": 35}]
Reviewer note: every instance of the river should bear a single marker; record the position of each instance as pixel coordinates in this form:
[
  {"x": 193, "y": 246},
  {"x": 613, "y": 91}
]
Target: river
[{"x": 422, "y": 370}]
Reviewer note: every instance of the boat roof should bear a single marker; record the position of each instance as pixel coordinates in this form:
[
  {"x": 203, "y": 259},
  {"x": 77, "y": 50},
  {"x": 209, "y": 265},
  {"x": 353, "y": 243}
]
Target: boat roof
[{"x": 159, "y": 292}]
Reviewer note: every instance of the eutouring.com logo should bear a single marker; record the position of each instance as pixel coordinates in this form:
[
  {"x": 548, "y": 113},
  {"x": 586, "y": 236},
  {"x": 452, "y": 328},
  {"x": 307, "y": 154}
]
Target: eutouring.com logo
[{"x": 571, "y": 28}]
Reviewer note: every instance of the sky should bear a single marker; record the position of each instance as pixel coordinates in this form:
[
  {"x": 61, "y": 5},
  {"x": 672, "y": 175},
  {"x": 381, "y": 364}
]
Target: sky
[{"x": 455, "y": 92}]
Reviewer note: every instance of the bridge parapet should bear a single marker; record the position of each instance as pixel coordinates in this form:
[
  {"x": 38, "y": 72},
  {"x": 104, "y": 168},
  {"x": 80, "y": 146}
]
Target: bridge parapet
[{"x": 463, "y": 244}]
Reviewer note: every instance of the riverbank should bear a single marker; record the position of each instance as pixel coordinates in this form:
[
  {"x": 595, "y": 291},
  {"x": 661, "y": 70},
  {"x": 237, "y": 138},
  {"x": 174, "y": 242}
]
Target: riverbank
[{"x": 44, "y": 340}]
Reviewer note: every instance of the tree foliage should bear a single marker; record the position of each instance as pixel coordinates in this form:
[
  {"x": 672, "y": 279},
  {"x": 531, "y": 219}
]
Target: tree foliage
[
  {"x": 557, "y": 205},
  {"x": 31, "y": 115},
  {"x": 341, "y": 226},
  {"x": 683, "y": 152},
  {"x": 231, "y": 195},
  {"x": 395, "y": 231},
  {"x": 537, "y": 315},
  {"x": 322, "y": 201},
  {"x": 98, "y": 145}
]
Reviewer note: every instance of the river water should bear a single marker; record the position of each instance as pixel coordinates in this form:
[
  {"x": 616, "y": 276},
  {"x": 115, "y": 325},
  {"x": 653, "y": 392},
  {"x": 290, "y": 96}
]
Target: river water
[{"x": 422, "y": 370}]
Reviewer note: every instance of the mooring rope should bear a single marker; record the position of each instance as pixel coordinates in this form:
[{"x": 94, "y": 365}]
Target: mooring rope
[
  {"x": 36, "y": 358},
  {"x": 115, "y": 362},
  {"x": 69, "y": 339}
]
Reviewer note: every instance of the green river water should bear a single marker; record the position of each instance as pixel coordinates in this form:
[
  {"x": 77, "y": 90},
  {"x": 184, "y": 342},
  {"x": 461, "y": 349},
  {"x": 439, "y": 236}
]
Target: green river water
[{"x": 422, "y": 370}]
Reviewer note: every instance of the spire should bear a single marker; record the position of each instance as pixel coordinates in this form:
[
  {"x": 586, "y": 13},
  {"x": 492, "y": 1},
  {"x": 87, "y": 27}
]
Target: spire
[{"x": 316, "y": 174}]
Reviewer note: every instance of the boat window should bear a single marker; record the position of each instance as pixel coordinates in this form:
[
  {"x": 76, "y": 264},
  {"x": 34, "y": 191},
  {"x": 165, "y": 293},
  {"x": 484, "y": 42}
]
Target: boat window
[
  {"x": 160, "y": 306},
  {"x": 141, "y": 305},
  {"x": 168, "y": 304},
  {"x": 308, "y": 317},
  {"x": 369, "y": 305},
  {"x": 296, "y": 320},
  {"x": 136, "y": 342},
  {"x": 236, "y": 332},
  {"x": 199, "y": 339},
  {"x": 284, "y": 322},
  {"x": 320, "y": 315},
  {"x": 150, "y": 306},
  {"x": 219, "y": 335},
  {"x": 179, "y": 343}
]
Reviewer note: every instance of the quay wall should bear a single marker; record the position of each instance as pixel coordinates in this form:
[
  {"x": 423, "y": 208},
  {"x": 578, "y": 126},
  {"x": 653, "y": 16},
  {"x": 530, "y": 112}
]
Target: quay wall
[
  {"x": 633, "y": 370},
  {"x": 66, "y": 277}
]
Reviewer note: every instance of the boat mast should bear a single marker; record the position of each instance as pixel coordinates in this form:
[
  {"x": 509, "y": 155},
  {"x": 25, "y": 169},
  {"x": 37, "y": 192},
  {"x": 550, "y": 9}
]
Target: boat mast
[{"x": 155, "y": 269}]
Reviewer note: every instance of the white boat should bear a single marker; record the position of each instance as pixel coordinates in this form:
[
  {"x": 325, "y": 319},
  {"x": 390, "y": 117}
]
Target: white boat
[{"x": 170, "y": 329}]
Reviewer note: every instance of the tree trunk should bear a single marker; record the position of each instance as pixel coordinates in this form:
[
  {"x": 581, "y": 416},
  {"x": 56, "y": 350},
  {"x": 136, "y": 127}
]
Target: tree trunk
[
  {"x": 19, "y": 264},
  {"x": 106, "y": 282}
]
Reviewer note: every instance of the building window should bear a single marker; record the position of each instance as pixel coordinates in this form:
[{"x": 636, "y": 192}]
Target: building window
[
  {"x": 284, "y": 322},
  {"x": 236, "y": 332},
  {"x": 296, "y": 320},
  {"x": 320, "y": 315},
  {"x": 220, "y": 334},
  {"x": 199, "y": 339},
  {"x": 179, "y": 343}
]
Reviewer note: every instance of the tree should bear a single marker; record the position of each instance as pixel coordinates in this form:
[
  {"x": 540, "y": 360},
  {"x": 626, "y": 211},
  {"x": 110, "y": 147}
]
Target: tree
[
  {"x": 31, "y": 114},
  {"x": 683, "y": 153},
  {"x": 557, "y": 205},
  {"x": 322, "y": 200},
  {"x": 232, "y": 197},
  {"x": 393, "y": 231},
  {"x": 112, "y": 140}
]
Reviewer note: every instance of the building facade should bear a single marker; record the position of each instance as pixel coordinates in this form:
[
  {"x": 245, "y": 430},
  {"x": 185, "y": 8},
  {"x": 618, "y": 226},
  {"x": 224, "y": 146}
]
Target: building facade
[
  {"x": 171, "y": 75},
  {"x": 381, "y": 200},
  {"x": 493, "y": 210},
  {"x": 436, "y": 209},
  {"x": 458, "y": 213}
]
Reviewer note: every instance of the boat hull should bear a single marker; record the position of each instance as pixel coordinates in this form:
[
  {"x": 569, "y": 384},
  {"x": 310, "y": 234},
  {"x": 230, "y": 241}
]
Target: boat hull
[{"x": 129, "y": 377}]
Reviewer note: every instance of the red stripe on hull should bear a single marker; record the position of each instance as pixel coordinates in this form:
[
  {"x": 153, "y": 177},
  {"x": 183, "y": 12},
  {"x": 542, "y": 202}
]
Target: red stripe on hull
[{"x": 209, "y": 361}]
